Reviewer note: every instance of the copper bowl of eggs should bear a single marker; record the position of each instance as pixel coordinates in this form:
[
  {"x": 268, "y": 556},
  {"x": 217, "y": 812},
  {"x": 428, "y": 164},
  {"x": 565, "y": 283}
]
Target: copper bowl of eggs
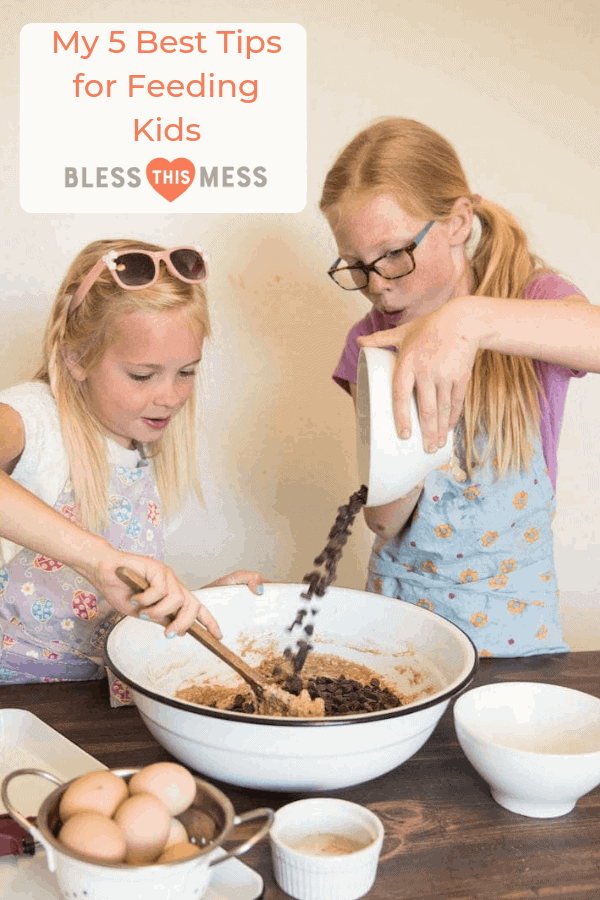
[
  {"x": 428, "y": 659},
  {"x": 92, "y": 865}
]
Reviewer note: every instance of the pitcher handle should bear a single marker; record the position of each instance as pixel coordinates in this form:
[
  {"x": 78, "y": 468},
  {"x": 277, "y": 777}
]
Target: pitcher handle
[
  {"x": 261, "y": 813},
  {"x": 20, "y": 818}
]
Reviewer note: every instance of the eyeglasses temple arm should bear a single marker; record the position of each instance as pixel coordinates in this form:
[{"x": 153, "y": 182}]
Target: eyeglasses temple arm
[
  {"x": 86, "y": 285},
  {"x": 421, "y": 235}
]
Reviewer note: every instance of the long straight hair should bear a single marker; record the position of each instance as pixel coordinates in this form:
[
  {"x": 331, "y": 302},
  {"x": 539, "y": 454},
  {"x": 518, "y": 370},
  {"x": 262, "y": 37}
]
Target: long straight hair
[
  {"x": 86, "y": 335},
  {"x": 422, "y": 171}
]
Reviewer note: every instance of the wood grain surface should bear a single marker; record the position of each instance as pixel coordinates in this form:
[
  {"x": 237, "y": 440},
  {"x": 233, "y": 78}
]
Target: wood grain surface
[{"x": 445, "y": 838}]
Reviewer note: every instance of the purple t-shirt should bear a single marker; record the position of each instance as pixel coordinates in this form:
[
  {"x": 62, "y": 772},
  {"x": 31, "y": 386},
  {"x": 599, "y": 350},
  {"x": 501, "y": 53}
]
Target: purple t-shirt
[{"x": 553, "y": 378}]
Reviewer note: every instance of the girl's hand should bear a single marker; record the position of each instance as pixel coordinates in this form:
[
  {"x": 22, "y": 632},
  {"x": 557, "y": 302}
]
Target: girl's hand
[
  {"x": 27, "y": 520},
  {"x": 254, "y": 580},
  {"x": 164, "y": 598},
  {"x": 436, "y": 353}
]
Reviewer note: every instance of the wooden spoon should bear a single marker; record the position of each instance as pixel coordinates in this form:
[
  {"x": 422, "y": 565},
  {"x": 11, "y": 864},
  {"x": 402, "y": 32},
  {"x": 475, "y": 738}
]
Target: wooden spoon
[{"x": 271, "y": 700}]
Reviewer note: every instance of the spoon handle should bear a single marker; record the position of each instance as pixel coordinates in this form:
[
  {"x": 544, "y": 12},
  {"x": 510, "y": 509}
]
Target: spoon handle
[{"x": 201, "y": 634}]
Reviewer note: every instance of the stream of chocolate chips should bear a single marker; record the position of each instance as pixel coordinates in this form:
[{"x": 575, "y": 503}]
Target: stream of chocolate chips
[{"x": 318, "y": 582}]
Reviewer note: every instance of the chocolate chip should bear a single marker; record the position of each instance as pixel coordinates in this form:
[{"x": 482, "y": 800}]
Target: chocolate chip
[
  {"x": 293, "y": 684},
  {"x": 317, "y": 583},
  {"x": 302, "y": 652}
]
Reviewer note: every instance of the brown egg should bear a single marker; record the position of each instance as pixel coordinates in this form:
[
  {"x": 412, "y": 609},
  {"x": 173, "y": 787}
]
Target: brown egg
[
  {"x": 170, "y": 782},
  {"x": 184, "y": 850},
  {"x": 145, "y": 823},
  {"x": 100, "y": 792},
  {"x": 95, "y": 836},
  {"x": 177, "y": 834}
]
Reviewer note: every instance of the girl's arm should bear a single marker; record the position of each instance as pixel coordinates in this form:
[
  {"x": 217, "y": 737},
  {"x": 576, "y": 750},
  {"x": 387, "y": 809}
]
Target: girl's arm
[
  {"x": 565, "y": 331},
  {"x": 28, "y": 521},
  {"x": 437, "y": 351},
  {"x": 387, "y": 521}
]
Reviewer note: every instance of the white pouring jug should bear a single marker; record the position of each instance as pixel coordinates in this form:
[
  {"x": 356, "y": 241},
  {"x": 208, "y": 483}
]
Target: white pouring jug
[{"x": 387, "y": 465}]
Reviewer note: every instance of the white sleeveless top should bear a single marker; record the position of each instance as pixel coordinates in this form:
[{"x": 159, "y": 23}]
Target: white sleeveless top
[{"x": 44, "y": 466}]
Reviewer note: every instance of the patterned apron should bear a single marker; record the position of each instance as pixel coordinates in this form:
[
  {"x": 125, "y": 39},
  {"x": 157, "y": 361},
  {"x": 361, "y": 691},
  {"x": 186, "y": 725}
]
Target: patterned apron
[
  {"x": 53, "y": 623},
  {"x": 480, "y": 553}
]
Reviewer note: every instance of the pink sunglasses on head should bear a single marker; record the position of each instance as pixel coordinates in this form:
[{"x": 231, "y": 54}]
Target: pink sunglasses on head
[{"x": 136, "y": 269}]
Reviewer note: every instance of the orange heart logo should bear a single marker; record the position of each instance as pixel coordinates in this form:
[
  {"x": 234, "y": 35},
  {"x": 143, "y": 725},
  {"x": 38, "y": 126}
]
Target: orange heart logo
[{"x": 170, "y": 179}]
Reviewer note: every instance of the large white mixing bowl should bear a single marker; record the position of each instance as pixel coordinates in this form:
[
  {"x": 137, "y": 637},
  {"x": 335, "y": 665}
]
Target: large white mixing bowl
[{"x": 395, "y": 639}]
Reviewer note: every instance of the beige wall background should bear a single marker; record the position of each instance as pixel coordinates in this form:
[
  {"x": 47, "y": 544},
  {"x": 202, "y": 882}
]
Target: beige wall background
[{"x": 514, "y": 85}]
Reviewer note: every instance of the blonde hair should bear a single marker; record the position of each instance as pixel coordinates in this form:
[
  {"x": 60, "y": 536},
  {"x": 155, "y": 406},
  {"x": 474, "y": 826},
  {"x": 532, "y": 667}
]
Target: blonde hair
[
  {"x": 422, "y": 171},
  {"x": 85, "y": 335}
]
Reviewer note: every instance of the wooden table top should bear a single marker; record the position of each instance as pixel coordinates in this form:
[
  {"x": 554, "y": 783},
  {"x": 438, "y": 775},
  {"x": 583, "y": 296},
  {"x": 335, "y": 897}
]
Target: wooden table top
[{"x": 445, "y": 838}]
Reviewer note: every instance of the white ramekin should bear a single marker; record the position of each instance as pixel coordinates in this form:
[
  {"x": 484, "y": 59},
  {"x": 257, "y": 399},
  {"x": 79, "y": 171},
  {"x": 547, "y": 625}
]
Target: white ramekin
[{"x": 307, "y": 876}]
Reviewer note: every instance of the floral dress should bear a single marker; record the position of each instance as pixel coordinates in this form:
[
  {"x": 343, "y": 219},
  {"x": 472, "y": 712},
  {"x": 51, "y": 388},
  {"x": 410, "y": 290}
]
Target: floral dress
[
  {"x": 53, "y": 622},
  {"x": 479, "y": 552}
]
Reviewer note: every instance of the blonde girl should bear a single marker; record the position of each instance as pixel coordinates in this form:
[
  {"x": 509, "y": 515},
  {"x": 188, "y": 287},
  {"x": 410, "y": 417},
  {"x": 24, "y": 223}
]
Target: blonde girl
[
  {"x": 96, "y": 452},
  {"x": 488, "y": 336}
]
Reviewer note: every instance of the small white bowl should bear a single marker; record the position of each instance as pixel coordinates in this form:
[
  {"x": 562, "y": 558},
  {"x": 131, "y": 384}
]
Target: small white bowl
[
  {"x": 309, "y": 875},
  {"x": 388, "y": 466},
  {"x": 536, "y": 745}
]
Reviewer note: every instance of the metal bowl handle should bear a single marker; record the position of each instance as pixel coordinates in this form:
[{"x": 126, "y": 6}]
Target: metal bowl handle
[
  {"x": 261, "y": 813},
  {"x": 20, "y": 818}
]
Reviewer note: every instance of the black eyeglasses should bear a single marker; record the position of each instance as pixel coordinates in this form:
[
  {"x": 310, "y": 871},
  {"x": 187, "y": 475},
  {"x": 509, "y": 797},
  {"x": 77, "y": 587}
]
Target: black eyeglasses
[{"x": 395, "y": 264}]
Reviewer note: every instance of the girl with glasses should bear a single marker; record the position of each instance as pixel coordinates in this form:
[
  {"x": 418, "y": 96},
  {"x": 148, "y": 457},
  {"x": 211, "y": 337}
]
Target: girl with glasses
[
  {"x": 96, "y": 453},
  {"x": 489, "y": 337}
]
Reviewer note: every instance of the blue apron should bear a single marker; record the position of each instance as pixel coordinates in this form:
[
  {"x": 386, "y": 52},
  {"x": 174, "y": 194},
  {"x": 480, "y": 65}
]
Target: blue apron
[{"x": 480, "y": 553}]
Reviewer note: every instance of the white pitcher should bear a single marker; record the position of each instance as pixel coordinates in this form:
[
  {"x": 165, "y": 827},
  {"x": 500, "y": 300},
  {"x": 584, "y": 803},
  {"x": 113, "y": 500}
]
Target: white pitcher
[{"x": 388, "y": 466}]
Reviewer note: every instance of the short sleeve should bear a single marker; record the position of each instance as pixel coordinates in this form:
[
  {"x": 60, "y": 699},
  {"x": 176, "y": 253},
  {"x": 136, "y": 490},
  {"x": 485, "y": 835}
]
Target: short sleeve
[
  {"x": 554, "y": 379},
  {"x": 551, "y": 286},
  {"x": 346, "y": 371}
]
